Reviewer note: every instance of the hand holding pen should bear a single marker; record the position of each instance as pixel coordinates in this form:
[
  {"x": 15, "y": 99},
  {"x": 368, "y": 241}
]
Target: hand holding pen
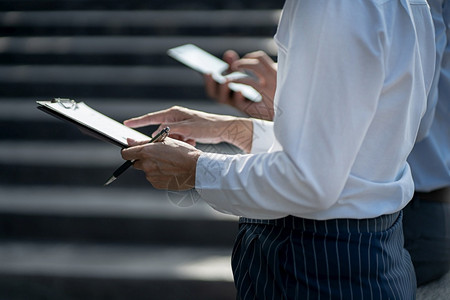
[{"x": 158, "y": 138}]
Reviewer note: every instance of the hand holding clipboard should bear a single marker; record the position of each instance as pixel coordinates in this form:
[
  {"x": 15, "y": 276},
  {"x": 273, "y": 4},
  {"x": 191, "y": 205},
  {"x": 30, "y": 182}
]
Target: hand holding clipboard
[{"x": 96, "y": 124}]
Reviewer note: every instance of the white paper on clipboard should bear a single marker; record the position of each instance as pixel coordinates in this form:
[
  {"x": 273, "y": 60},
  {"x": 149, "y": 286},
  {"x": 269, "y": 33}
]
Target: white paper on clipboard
[{"x": 92, "y": 121}]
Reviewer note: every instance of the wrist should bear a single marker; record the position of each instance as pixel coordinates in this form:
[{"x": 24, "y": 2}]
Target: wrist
[
  {"x": 238, "y": 132},
  {"x": 194, "y": 156}
]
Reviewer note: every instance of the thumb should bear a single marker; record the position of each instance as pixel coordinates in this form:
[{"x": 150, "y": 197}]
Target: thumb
[
  {"x": 132, "y": 143},
  {"x": 178, "y": 130},
  {"x": 230, "y": 56}
]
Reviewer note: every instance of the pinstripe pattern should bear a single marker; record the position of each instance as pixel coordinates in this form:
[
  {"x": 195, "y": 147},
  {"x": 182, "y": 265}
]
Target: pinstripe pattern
[{"x": 294, "y": 258}]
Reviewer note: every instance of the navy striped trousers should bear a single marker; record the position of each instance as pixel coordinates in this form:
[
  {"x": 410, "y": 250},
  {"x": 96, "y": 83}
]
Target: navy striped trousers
[{"x": 295, "y": 258}]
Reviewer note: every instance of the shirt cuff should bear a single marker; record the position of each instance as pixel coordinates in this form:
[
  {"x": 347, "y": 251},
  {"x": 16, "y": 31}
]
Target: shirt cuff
[
  {"x": 263, "y": 136},
  {"x": 208, "y": 181}
]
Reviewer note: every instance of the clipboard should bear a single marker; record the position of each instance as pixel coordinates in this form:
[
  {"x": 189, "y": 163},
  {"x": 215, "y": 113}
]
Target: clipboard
[{"x": 90, "y": 121}]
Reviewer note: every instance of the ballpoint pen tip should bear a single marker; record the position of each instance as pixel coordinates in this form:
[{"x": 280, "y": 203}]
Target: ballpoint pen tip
[{"x": 111, "y": 179}]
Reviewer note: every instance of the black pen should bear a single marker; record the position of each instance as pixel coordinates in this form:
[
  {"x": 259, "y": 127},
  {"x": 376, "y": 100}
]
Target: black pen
[{"x": 158, "y": 138}]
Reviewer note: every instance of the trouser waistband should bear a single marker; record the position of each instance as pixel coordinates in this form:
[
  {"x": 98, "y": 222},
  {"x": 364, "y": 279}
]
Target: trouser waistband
[{"x": 377, "y": 224}]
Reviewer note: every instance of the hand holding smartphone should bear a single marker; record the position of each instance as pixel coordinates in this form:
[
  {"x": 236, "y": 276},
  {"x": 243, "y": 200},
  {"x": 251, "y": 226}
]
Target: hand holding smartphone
[{"x": 206, "y": 63}]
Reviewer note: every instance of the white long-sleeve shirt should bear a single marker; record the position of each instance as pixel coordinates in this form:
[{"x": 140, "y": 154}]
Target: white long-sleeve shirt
[
  {"x": 353, "y": 78},
  {"x": 430, "y": 158}
]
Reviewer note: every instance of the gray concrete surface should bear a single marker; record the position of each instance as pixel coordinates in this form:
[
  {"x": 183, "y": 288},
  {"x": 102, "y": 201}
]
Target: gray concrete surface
[{"x": 438, "y": 290}]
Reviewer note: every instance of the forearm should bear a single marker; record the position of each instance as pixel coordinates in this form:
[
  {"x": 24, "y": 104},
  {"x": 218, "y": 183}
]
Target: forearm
[{"x": 238, "y": 132}]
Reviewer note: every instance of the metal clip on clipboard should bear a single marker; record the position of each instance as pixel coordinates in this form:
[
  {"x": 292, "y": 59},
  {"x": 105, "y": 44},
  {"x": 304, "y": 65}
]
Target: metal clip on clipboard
[{"x": 66, "y": 103}]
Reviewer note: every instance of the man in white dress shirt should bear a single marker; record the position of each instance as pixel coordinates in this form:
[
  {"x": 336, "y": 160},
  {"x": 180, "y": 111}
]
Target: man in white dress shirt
[
  {"x": 321, "y": 190},
  {"x": 426, "y": 219}
]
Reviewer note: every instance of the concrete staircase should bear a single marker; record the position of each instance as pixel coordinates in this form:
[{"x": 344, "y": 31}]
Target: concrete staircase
[{"x": 62, "y": 234}]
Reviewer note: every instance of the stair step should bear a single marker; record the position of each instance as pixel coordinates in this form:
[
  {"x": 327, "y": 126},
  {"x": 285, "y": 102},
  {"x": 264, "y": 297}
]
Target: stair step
[
  {"x": 20, "y": 120},
  {"x": 107, "y": 90},
  {"x": 77, "y": 81},
  {"x": 44, "y": 153},
  {"x": 142, "y": 22},
  {"x": 38, "y": 149},
  {"x": 85, "y": 176},
  {"x": 115, "y": 202},
  {"x": 116, "y": 261},
  {"x": 129, "y": 45},
  {"x": 76, "y": 154},
  {"x": 112, "y": 215},
  {"x": 140, "y": 18},
  {"x": 162, "y": 59},
  {"x": 436, "y": 290},
  {"x": 63, "y": 235},
  {"x": 24, "y": 109},
  {"x": 20, "y": 5},
  {"x": 86, "y": 75},
  {"x": 33, "y": 270},
  {"x": 73, "y": 165}
]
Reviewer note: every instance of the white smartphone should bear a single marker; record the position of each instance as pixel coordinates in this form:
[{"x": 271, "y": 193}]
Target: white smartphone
[{"x": 206, "y": 63}]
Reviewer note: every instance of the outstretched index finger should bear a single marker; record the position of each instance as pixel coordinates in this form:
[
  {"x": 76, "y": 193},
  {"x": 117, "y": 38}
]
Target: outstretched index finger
[
  {"x": 145, "y": 120},
  {"x": 155, "y": 118}
]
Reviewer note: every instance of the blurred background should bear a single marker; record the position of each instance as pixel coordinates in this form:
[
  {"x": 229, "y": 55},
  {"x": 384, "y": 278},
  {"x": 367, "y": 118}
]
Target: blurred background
[{"x": 62, "y": 234}]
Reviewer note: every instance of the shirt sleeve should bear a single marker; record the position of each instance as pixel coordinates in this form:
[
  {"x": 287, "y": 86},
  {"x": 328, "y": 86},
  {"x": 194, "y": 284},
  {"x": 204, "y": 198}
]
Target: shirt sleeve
[
  {"x": 440, "y": 43},
  {"x": 331, "y": 75},
  {"x": 263, "y": 136}
]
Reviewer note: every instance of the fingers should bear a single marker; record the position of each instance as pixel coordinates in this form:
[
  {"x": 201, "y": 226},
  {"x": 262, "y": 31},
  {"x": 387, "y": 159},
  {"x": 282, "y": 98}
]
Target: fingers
[
  {"x": 155, "y": 118},
  {"x": 219, "y": 92},
  {"x": 224, "y": 94},
  {"x": 211, "y": 86},
  {"x": 230, "y": 56},
  {"x": 145, "y": 120},
  {"x": 142, "y": 165},
  {"x": 259, "y": 63},
  {"x": 139, "y": 153},
  {"x": 248, "y": 81},
  {"x": 253, "y": 64},
  {"x": 169, "y": 164},
  {"x": 183, "y": 139},
  {"x": 190, "y": 142},
  {"x": 130, "y": 153},
  {"x": 262, "y": 57},
  {"x": 238, "y": 100},
  {"x": 132, "y": 143},
  {"x": 179, "y": 130},
  {"x": 174, "y": 118},
  {"x": 260, "y": 70}
]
